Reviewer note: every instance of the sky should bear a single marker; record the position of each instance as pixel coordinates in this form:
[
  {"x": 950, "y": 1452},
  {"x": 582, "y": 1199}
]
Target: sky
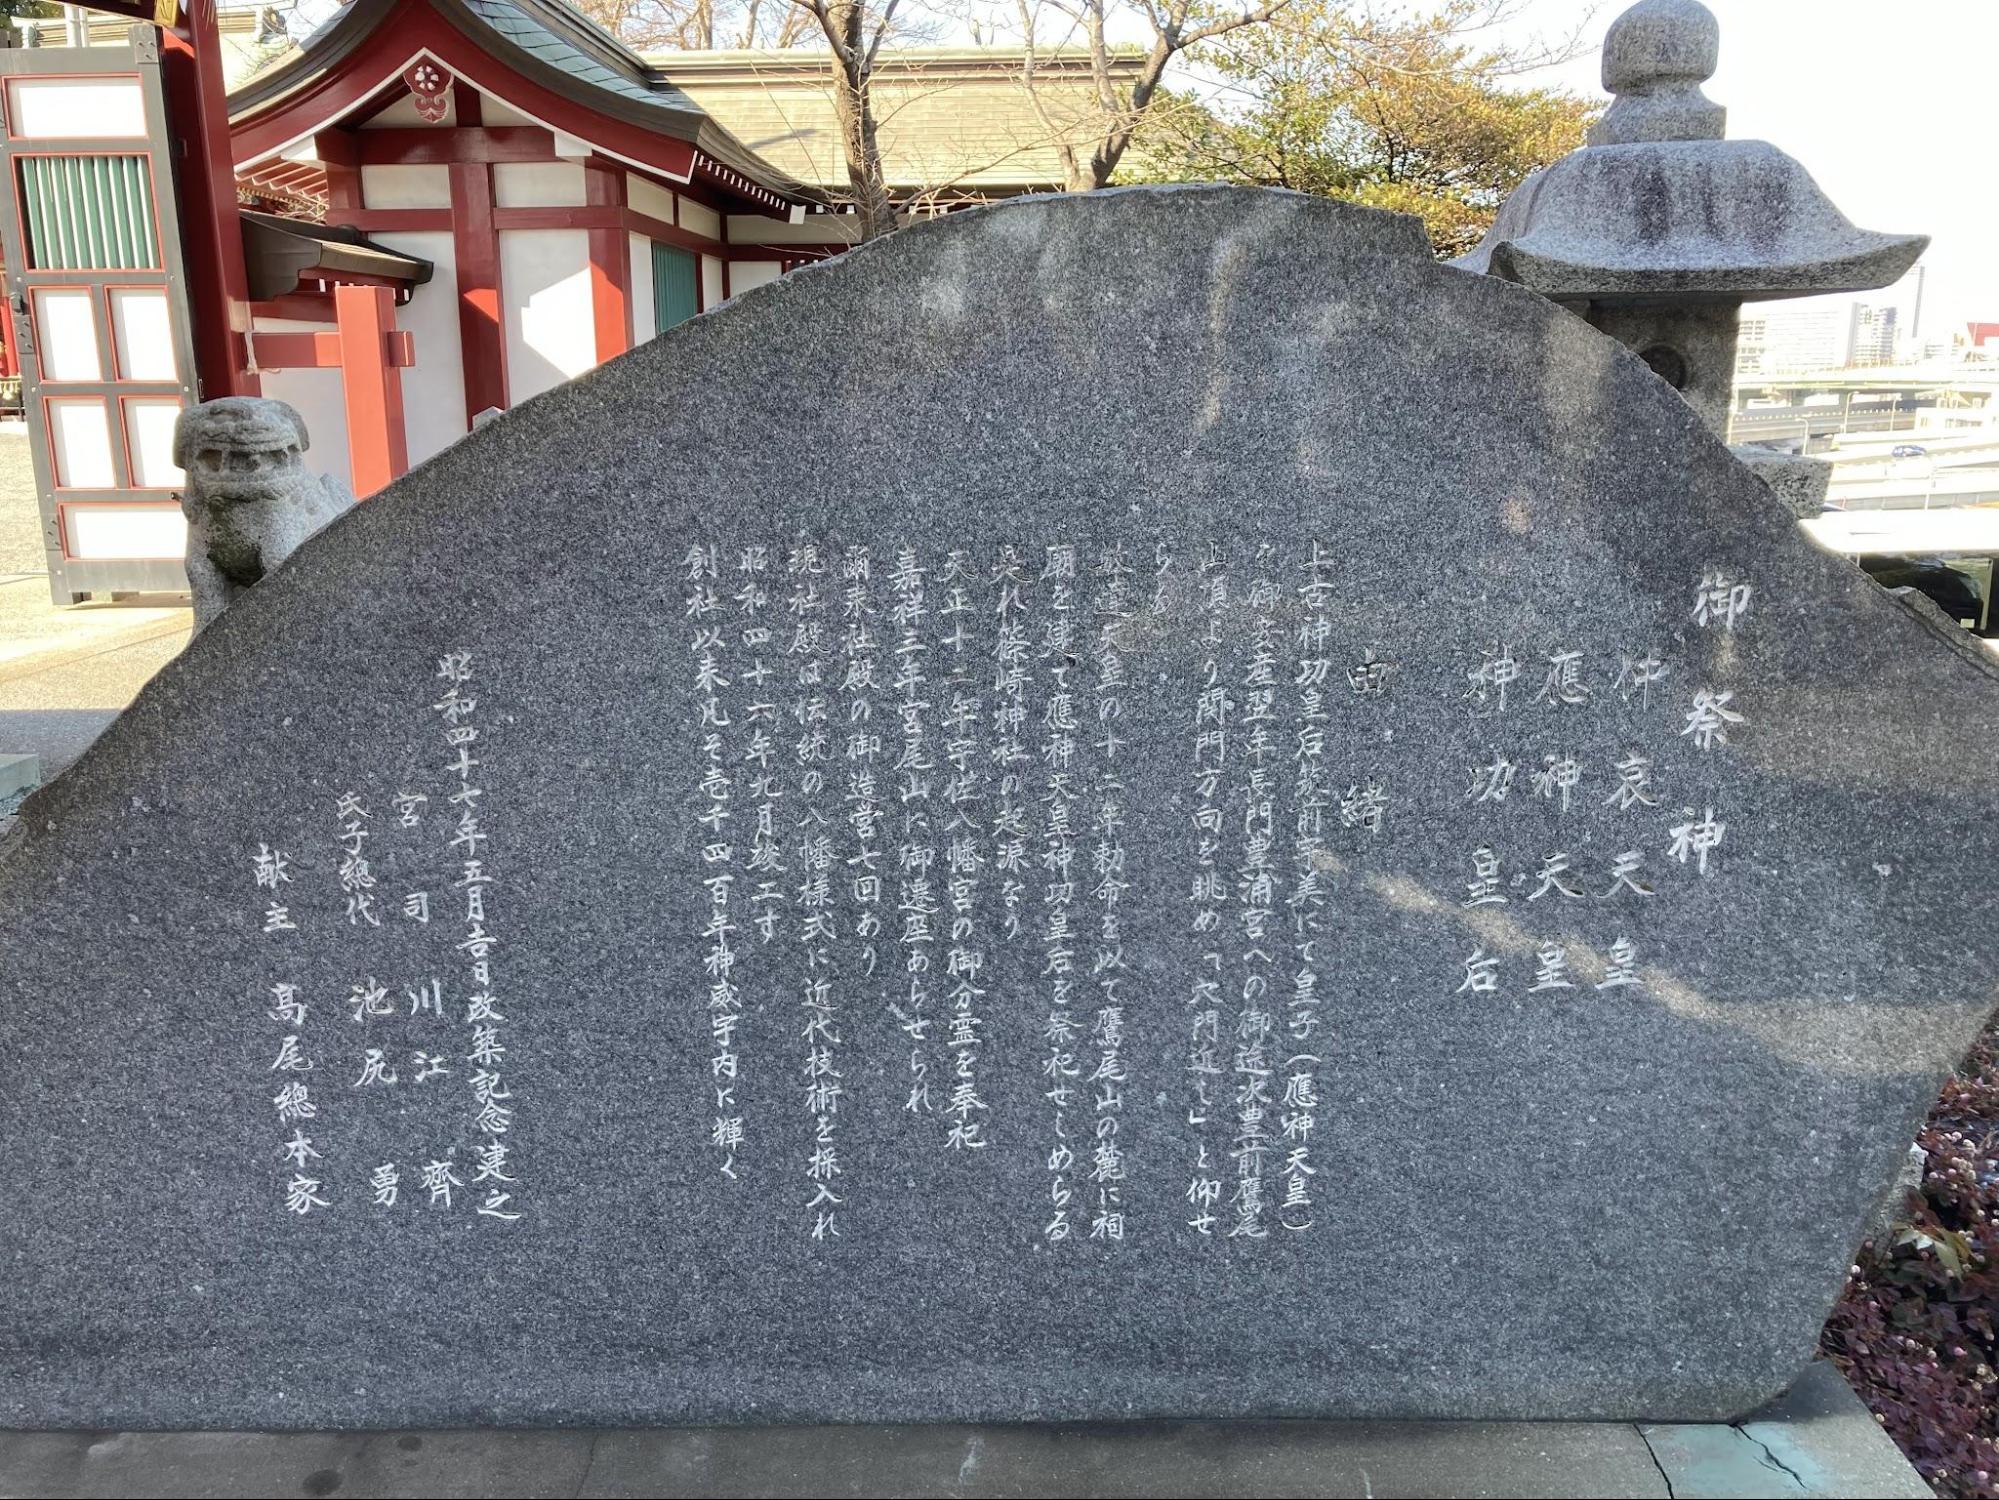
[{"x": 1888, "y": 103}]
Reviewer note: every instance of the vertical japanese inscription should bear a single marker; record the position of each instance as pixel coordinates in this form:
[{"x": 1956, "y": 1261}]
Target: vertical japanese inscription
[
  {"x": 705, "y": 610},
  {"x": 916, "y": 850},
  {"x": 303, "y": 1191},
  {"x": 492, "y": 1117},
  {"x": 765, "y": 767},
  {"x": 1256, "y": 908},
  {"x": 1111, "y": 616},
  {"x": 1214, "y": 710},
  {"x": 1057, "y": 666},
  {"x": 960, "y": 753},
  {"x": 810, "y": 654},
  {"x": 1311, "y": 682},
  {"x": 965, "y": 861}
]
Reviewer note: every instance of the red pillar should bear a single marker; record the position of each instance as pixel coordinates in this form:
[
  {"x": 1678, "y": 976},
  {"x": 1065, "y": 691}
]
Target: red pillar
[
  {"x": 377, "y": 452},
  {"x": 610, "y": 262},
  {"x": 475, "y": 246},
  {"x": 218, "y": 286}
]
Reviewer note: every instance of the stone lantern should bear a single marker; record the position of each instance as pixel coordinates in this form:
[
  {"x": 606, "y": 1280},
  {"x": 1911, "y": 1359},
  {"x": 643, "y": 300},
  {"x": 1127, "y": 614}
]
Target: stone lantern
[{"x": 1658, "y": 230}]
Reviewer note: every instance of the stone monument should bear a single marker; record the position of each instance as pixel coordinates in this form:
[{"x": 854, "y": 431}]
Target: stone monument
[
  {"x": 249, "y": 502},
  {"x": 1143, "y": 804}
]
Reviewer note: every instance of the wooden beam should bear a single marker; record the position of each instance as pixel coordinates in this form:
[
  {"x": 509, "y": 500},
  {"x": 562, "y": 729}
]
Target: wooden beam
[
  {"x": 218, "y": 283},
  {"x": 295, "y": 307},
  {"x": 610, "y": 260},
  {"x": 391, "y": 218},
  {"x": 659, "y": 229},
  {"x": 673, "y": 234},
  {"x": 133, "y": 10},
  {"x": 336, "y": 148},
  {"x": 342, "y": 165},
  {"x": 442, "y": 146},
  {"x": 326, "y": 351},
  {"x": 586, "y": 217},
  {"x": 372, "y": 384},
  {"x": 482, "y": 321},
  {"x": 294, "y": 177},
  {"x": 728, "y": 255},
  {"x": 789, "y": 255},
  {"x": 603, "y": 216}
]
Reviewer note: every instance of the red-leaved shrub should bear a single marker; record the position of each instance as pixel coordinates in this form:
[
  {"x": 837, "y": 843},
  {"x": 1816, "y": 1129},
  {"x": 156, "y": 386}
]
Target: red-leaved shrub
[{"x": 1914, "y": 1331}]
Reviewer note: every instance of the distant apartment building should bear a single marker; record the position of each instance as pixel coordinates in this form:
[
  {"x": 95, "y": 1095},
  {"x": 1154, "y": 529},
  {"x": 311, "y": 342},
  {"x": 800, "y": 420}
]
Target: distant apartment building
[
  {"x": 1873, "y": 335},
  {"x": 1785, "y": 337},
  {"x": 1834, "y": 333}
]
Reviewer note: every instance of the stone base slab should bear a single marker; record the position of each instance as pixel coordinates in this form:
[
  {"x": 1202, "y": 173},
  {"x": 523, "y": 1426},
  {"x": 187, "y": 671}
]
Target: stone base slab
[
  {"x": 1818, "y": 1440},
  {"x": 19, "y": 773}
]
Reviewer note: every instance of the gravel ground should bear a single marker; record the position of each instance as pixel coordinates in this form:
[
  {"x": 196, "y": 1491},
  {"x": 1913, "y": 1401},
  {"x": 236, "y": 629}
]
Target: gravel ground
[
  {"x": 20, "y": 511},
  {"x": 64, "y": 672}
]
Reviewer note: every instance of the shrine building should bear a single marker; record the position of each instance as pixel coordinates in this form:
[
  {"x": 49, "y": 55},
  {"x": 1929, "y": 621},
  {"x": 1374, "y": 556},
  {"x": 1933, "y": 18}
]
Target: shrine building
[
  {"x": 442, "y": 208},
  {"x": 562, "y": 199}
]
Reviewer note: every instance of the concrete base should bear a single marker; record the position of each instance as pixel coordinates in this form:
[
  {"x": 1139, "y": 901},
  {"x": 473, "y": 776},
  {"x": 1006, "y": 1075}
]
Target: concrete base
[
  {"x": 1818, "y": 1440},
  {"x": 19, "y": 773}
]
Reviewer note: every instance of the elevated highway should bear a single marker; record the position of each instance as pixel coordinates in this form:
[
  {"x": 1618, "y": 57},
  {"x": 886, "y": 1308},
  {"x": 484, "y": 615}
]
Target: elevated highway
[{"x": 1882, "y": 400}]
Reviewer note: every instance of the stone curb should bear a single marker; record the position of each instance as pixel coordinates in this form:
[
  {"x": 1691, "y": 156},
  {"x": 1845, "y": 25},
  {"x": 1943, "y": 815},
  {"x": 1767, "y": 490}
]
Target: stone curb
[{"x": 1818, "y": 1440}]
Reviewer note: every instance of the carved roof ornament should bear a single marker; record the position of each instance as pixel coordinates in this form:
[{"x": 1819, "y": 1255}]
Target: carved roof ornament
[
  {"x": 1659, "y": 210},
  {"x": 430, "y": 87}
]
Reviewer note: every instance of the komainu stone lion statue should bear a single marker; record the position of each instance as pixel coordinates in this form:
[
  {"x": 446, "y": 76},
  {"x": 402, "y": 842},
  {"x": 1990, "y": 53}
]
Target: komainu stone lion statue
[{"x": 248, "y": 501}]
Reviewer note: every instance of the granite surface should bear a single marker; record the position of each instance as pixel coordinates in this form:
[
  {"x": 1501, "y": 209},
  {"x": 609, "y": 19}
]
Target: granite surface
[
  {"x": 1799, "y": 482},
  {"x": 1730, "y": 221},
  {"x": 1656, "y": 56},
  {"x": 1142, "y": 902}
]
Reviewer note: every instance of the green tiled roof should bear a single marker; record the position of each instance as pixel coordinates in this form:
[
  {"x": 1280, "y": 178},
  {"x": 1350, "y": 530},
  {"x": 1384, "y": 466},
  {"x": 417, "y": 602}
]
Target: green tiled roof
[{"x": 562, "y": 38}]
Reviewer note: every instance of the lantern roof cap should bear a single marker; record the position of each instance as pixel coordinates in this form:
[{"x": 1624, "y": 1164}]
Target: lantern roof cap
[{"x": 1658, "y": 209}]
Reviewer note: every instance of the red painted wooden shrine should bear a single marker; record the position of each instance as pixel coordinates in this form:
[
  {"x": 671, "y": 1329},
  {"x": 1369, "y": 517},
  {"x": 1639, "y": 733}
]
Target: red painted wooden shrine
[{"x": 571, "y": 201}]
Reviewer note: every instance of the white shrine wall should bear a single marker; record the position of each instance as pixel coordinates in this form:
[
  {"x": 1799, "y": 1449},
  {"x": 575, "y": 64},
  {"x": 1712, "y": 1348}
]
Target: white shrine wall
[
  {"x": 812, "y": 230},
  {"x": 406, "y": 187},
  {"x": 699, "y": 218},
  {"x": 545, "y": 284},
  {"x": 317, "y": 396},
  {"x": 537, "y": 184},
  {"x": 496, "y": 111},
  {"x": 642, "y": 299},
  {"x": 644, "y": 196},
  {"x": 434, "y": 387},
  {"x": 75, "y": 108}
]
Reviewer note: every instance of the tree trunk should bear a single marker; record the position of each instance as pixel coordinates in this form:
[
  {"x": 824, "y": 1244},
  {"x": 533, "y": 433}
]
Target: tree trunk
[
  {"x": 853, "y": 106},
  {"x": 1119, "y": 117}
]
